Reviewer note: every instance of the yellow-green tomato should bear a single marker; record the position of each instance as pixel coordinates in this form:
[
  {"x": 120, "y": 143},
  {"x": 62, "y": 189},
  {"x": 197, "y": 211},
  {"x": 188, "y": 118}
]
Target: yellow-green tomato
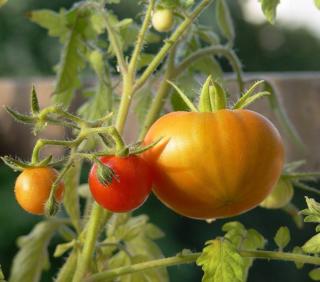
[
  {"x": 162, "y": 20},
  {"x": 280, "y": 196}
]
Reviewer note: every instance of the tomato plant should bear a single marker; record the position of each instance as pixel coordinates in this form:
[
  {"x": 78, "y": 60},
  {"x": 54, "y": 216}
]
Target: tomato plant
[
  {"x": 207, "y": 161},
  {"x": 33, "y": 186},
  {"x": 213, "y": 165},
  {"x": 129, "y": 188}
]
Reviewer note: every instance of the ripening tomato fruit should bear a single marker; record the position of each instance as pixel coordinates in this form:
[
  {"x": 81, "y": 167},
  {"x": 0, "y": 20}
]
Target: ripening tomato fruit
[
  {"x": 129, "y": 188},
  {"x": 214, "y": 165},
  {"x": 33, "y": 186},
  {"x": 280, "y": 196},
  {"x": 162, "y": 20}
]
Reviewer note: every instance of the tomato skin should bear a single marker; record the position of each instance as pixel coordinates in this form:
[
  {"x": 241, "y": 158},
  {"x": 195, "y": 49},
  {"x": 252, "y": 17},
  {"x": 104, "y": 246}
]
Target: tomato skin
[
  {"x": 214, "y": 165},
  {"x": 162, "y": 20},
  {"x": 33, "y": 186},
  {"x": 129, "y": 188}
]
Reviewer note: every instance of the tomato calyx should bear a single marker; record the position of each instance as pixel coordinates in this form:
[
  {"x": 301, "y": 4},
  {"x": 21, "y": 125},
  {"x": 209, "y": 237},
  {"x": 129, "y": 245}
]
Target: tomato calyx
[
  {"x": 213, "y": 97},
  {"x": 105, "y": 173}
]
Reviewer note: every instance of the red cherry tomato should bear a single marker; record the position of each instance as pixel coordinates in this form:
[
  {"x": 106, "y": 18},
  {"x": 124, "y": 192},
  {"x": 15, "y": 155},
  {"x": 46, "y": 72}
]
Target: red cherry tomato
[{"x": 129, "y": 188}]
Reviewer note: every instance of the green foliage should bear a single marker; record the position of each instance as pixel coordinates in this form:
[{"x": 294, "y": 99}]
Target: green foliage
[
  {"x": 315, "y": 274},
  {"x": 220, "y": 261},
  {"x": 3, "y": 2},
  {"x": 282, "y": 237},
  {"x": 269, "y": 8},
  {"x": 134, "y": 240},
  {"x": 71, "y": 198},
  {"x": 32, "y": 257},
  {"x": 225, "y": 21},
  {"x": 1, "y": 275},
  {"x": 317, "y": 3}
]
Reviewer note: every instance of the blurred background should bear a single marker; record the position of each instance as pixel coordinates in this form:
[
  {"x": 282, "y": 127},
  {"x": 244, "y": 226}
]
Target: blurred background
[{"x": 27, "y": 55}]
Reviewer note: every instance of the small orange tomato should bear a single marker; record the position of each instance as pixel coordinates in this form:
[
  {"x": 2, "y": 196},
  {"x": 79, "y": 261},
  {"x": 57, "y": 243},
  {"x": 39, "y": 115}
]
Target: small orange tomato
[
  {"x": 33, "y": 186},
  {"x": 214, "y": 165}
]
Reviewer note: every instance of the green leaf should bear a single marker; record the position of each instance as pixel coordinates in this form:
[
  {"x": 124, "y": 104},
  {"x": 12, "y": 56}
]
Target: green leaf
[
  {"x": 221, "y": 262},
  {"x": 315, "y": 274},
  {"x": 225, "y": 21},
  {"x": 312, "y": 246},
  {"x": 317, "y": 3},
  {"x": 313, "y": 212},
  {"x": 71, "y": 198},
  {"x": 298, "y": 250},
  {"x": 184, "y": 97},
  {"x": 32, "y": 257},
  {"x": 209, "y": 66},
  {"x": 55, "y": 23},
  {"x": 269, "y": 8},
  {"x": 282, "y": 237},
  {"x": 100, "y": 101},
  {"x": 134, "y": 235},
  {"x": 72, "y": 61}
]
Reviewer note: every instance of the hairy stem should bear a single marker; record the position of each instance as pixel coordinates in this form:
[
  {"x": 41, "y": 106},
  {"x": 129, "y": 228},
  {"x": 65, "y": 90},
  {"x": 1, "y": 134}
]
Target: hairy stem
[
  {"x": 170, "y": 42},
  {"x": 89, "y": 243},
  {"x": 192, "y": 257},
  {"x": 139, "y": 44},
  {"x": 116, "y": 46}
]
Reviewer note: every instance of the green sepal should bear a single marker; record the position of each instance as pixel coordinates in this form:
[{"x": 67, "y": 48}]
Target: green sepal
[
  {"x": 16, "y": 165},
  {"x": 20, "y": 117},
  {"x": 184, "y": 97},
  {"x": 138, "y": 149},
  {"x": 204, "y": 100},
  {"x": 105, "y": 173},
  {"x": 45, "y": 162},
  {"x": 247, "y": 97},
  {"x": 218, "y": 97},
  {"x": 35, "y": 108}
]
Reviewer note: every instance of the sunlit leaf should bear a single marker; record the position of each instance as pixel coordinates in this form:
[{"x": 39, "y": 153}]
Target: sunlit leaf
[
  {"x": 221, "y": 262},
  {"x": 32, "y": 257}
]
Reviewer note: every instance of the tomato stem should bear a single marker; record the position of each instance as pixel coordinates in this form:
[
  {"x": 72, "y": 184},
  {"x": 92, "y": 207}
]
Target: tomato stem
[
  {"x": 92, "y": 231},
  {"x": 192, "y": 257}
]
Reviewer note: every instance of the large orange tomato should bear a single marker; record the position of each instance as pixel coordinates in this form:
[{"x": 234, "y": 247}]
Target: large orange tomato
[{"x": 214, "y": 165}]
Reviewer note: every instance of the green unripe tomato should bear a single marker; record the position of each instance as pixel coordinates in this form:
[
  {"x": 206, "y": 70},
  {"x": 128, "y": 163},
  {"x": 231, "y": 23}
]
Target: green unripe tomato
[
  {"x": 162, "y": 20},
  {"x": 280, "y": 196}
]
